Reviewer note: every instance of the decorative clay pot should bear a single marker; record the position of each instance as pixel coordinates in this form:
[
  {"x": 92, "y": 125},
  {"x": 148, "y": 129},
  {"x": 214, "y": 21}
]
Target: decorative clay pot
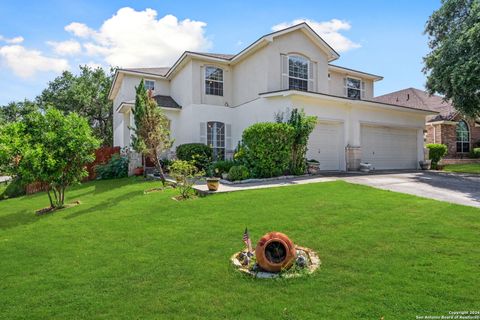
[
  {"x": 138, "y": 171},
  {"x": 275, "y": 252},
  {"x": 212, "y": 184}
]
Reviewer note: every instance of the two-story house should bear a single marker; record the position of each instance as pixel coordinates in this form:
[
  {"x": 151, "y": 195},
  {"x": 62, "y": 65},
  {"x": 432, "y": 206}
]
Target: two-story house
[{"x": 212, "y": 98}]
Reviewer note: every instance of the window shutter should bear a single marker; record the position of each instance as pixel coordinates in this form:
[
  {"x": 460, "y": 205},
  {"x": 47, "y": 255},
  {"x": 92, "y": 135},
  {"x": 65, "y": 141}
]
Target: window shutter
[
  {"x": 228, "y": 137},
  {"x": 284, "y": 61},
  {"x": 203, "y": 132},
  {"x": 363, "y": 90},
  {"x": 312, "y": 66},
  {"x": 345, "y": 87}
]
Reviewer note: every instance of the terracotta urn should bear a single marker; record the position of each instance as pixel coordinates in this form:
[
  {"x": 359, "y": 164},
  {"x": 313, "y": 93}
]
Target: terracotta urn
[
  {"x": 138, "y": 171},
  {"x": 275, "y": 252},
  {"x": 213, "y": 183}
]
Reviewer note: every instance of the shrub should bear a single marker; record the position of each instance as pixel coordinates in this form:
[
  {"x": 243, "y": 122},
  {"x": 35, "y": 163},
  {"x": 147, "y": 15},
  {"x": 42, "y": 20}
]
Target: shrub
[
  {"x": 116, "y": 167},
  {"x": 219, "y": 167},
  {"x": 303, "y": 126},
  {"x": 199, "y": 153},
  {"x": 238, "y": 173},
  {"x": 186, "y": 174},
  {"x": 266, "y": 149},
  {"x": 436, "y": 152},
  {"x": 15, "y": 188},
  {"x": 165, "y": 162},
  {"x": 475, "y": 153}
]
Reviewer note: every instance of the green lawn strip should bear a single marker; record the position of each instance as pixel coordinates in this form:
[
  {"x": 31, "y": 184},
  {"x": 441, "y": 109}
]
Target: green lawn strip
[
  {"x": 123, "y": 254},
  {"x": 463, "y": 168}
]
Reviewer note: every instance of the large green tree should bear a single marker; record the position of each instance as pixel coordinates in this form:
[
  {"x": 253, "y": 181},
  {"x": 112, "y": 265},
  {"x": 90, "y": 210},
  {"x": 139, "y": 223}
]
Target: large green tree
[
  {"x": 453, "y": 65},
  {"x": 151, "y": 134},
  {"x": 85, "y": 94},
  {"x": 15, "y": 111},
  {"x": 48, "y": 147}
]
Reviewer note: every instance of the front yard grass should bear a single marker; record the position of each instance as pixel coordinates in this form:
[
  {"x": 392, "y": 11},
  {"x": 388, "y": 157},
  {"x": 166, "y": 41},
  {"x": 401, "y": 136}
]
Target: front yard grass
[
  {"x": 463, "y": 168},
  {"x": 123, "y": 254}
]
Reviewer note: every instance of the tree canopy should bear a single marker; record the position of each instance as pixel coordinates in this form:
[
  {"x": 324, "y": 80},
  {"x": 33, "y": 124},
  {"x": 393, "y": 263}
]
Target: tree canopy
[
  {"x": 151, "y": 134},
  {"x": 453, "y": 65},
  {"x": 85, "y": 94},
  {"x": 50, "y": 148}
]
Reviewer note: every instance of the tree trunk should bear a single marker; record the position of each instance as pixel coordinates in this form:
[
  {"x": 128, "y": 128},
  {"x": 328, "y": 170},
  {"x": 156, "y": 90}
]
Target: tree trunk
[
  {"x": 158, "y": 166},
  {"x": 50, "y": 198}
]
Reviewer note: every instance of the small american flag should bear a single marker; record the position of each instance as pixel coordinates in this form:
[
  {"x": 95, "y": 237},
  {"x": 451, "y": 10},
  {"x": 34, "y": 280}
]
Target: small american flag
[{"x": 246, "y": 239}]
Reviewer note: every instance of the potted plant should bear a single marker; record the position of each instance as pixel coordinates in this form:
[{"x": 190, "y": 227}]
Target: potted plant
[
  {"x": 138, "y": 171},
  {"x": 313, "y": 166},
  {"x": 213, "y": 183}
]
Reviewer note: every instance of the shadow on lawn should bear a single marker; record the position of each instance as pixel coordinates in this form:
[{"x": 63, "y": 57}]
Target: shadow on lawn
[
  {"x": 110, "y": 202},
  {"x": 16, "y": 219}
]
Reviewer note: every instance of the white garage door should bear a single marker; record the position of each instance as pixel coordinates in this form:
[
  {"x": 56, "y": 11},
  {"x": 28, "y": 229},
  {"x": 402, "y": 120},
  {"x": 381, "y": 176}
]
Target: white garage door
[
  {"x": 326, "y": 145},
  {"x": 389, "y": 148}
]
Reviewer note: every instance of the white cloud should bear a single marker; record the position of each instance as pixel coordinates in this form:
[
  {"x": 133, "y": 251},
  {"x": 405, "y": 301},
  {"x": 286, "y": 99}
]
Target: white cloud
[
  {"x": 138, "y": 39},
  {"x": 63, "y": 48},
  {"x": 328, "y": 30},
  {"x": 79, "y": 29},
  {"x": 26, "y": 63},
  {"x": 15, "y": 40}
]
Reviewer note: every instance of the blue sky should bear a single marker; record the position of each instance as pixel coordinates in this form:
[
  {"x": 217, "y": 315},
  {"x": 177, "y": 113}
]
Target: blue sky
[{"x": 380, "y": 37}]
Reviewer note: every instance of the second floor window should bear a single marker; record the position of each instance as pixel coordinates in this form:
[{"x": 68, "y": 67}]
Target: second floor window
[
  {"x": 214, "y": 81},
  {"x": 297, "y": 73},
  {"x": 150, "y": 85},
  {"x": 353, "y": 88}
]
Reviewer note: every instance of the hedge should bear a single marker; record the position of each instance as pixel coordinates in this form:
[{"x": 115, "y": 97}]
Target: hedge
[
  {"x": 199, "y": 153},
  {"x": 266, "y": 149}
]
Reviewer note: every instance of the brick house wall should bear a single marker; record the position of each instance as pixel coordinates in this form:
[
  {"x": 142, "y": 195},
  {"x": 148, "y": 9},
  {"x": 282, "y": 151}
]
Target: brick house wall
[{"x": 446, "y": 133}]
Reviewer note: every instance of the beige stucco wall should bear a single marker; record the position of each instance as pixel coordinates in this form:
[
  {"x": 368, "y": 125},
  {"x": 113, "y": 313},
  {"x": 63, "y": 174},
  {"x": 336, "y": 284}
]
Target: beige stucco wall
[{"x": 336, "y": 84}]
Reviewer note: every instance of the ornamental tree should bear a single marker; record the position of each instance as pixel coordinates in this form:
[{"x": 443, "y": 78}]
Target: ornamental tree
[
  {"x": 453, "y": 65},
  {"x": 151, "y": 134},
  {"x": 49, "y": 148}
]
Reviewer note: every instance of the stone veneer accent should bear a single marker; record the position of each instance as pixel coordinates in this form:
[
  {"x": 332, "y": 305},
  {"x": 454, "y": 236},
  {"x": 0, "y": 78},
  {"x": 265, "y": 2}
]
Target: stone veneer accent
[{"x": 354, "y": 156}]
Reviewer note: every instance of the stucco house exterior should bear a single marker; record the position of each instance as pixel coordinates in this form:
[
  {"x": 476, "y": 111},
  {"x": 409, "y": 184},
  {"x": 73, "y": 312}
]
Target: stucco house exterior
[
  {"x": 212, "y": 98},
  {"x": 459, "y": 133}
]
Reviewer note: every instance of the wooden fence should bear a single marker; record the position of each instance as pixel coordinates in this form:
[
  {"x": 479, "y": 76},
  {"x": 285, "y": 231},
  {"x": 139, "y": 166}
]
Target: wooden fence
[{"x": 102, "y": 156}]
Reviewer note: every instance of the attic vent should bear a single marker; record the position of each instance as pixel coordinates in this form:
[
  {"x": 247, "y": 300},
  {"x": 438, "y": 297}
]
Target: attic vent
[{"x": 408, "y": 96}]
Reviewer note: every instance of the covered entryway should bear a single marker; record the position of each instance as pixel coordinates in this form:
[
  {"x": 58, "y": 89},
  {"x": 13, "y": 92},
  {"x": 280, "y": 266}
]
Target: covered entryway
[
  {"x": 326, "y": 146},
  {"x": 389, "y": 147}
]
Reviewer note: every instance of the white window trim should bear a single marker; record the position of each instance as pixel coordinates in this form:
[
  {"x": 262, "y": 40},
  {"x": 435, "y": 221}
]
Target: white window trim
[
  {"x": 468, "y": 131},
  {"x": 362, "y": 86},
  {"x": 309, "y": 66},
  {"x": 218, "y": 81},
  {"x": 150, "y": 80}
]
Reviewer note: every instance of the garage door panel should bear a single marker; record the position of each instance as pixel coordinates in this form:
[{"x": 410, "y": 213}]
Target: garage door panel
[
  {"x": 389, "y": 148},
  {"x": 326, "y": 145}
]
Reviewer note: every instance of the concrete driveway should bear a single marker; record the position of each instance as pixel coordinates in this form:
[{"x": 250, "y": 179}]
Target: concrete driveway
[{"x": 451, "y": 187}]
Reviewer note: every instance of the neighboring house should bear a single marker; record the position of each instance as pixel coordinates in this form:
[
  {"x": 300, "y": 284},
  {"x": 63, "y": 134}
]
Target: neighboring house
[
  {"x": 449, "y": 127},
  {"x": 211, "y": 98}
]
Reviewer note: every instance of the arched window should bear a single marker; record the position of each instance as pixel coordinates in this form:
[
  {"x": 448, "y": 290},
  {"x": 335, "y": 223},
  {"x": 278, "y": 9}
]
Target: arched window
[
  {"x": 216, "y": 138},
  {"x": 298, "y": 73},
  {"x": 463, "y": 137}
]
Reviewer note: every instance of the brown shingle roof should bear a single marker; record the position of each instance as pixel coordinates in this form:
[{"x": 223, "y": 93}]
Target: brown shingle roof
[
  {"x": 166, "y": 102},
  {"x": 419, "y": 99}
]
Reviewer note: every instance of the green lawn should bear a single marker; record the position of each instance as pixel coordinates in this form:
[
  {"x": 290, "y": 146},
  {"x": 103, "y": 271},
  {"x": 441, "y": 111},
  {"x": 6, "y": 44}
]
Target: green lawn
[
  {"x": 465, "y": 168},
  {"x": 125, "y": 255}
]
